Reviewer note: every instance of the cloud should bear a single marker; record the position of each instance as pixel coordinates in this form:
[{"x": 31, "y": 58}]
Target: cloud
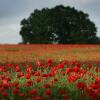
[
  {"x": 87, "y": 2},
  {"x": 9, "y": 34}
]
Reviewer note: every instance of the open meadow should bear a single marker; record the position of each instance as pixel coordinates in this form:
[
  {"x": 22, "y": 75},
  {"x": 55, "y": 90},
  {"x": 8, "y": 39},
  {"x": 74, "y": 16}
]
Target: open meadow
[{"x": 49, "y": 72}]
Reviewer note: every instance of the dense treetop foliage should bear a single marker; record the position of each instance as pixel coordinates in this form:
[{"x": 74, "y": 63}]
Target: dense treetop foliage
[{"x": 60, "y": 24}]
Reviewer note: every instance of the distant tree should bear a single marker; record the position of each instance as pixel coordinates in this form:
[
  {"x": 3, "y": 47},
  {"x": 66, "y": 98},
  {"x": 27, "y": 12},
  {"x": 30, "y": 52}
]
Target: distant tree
[{"x": 60, "y": 25}]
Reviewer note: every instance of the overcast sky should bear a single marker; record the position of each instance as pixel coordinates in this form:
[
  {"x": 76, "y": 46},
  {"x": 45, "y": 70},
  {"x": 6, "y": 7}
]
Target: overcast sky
[{"x": 13, "y": 11}]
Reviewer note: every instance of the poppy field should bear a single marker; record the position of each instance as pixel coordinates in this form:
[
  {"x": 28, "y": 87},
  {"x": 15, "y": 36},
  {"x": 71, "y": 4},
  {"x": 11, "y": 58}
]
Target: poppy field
[
  {"x": 49, "y": 72},
  {"x": 30, "y": 53}
]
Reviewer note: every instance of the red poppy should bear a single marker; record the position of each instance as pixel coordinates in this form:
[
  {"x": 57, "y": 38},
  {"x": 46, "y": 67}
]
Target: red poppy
[
  {"x": 28, "y": 70},
  {"x": 92, "y": 94},
  {"x": 62, "y": 92},
  {"x": 29, "y": 83},
  {"x": 8, "y": 79},
  {"x": 5, "y": 83},
  {"x": 81, "y": 85},
  {"x": 72, "y": 78},
  {"x": 3, "y": 68},
  {"x": 97, "y": 80},
  {"x": 2, "y": 77},
  {"x": 38, "y": 63},
  {"x": 72, "y": 63},
  {"x": 10, "y": 65},
  {"x": 48, "y": 92},
  {"x": 16, "y": 91},
  {"x": 15, "y": 84},
  {"x": 76, "y": 69},
  {"x": 51, "y": 74},
  {"x": 55, "y": 79},
  {"x": 68, "y": 70},
  {"x": 46, "y": 86},
  {"x": 22, "y": 94},
  {"x": 1, "y": 89},
  {"x": 89, "y": 66},
  {"x": 60, "y": 66},
  {"x": 33, "y": 92},
  {"x": 93, "y": 86},
  {"x": 5, "y": 94},
  {"x": 63, "y": 73},
  {"x": 38, "y": 98},
  {"x": 17, "y": 69},
  {"x": 27, "y": 76},
  {"x": 37, "y": 73},
  {"x": 50, "y": 61},
  {"x": 21, "y": 74},
  {"x": 65, "y": 97},
  {"x": 38, "y": 80},
  {"x": 44, "y": 75}
]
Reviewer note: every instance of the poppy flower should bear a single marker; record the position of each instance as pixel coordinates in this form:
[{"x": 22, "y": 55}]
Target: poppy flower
[
  {"x": 33, "y": 92},
  {"x": 21, "y": 74},
  {"x": 5, "y": 94},
  {"x": 62, "y": 92},
  {"x": 68, "y": 70},
  {"x": 38, "y": 63},
  {"x": 48, "y": 92},
  {"x": 37, "y": 73},
  {"x": 3, "y": 68},
  {"x": 9, "y": 65},
  {"x": 76, "y": 69},
  {"x": 5, "y": 83},
  {"x": 16, "y": 91},
  {"x": 22, "y": 94},
  {"x": 46, "y": 86},
  {"x": 72, "y": 78},
  {"x": 60, "y": 66},
  {"x": 38, "y": 98},
  {"x": 93, "y": 86},
  {"x": 17, "y": 69},
  {"x": 81, "y": 85},
  {"x": 51, "y": 74},
  {"x": 15, "y": 84},
  {"x": 38, "y": 80},
  {"x": 28, "y": 70},
  {"x": 44, "y": 75},
  {"x": 2, "y": 77},
  {"x": 27, "y": 76},
  {"x": 97, "y": 80},
  {"x": 29, "y": 83},
  {"x": 50, "y": 61}
]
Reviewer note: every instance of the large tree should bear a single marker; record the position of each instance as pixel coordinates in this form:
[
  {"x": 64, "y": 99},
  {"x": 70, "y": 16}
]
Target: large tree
[{"x": 58, "y": 25}]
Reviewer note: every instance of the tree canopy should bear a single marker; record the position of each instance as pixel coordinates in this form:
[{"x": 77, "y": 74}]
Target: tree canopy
[{"x": 60, "y": 25}]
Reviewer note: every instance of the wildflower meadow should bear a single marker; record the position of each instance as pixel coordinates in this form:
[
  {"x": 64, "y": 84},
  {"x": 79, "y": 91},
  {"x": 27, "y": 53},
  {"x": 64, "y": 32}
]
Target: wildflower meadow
[{"x": 50, "y": 72}]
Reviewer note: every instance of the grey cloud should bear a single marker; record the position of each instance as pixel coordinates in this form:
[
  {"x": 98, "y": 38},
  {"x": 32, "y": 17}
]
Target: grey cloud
[
  {"x": 9, "y": 8},
  {"x": 9, "y": 34}
]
